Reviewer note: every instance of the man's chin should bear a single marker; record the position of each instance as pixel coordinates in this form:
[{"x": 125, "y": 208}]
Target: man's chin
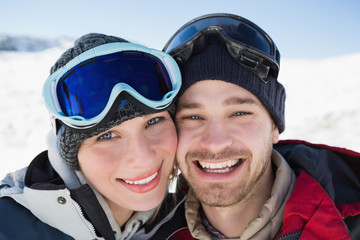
[{"x": 218, "y": 196}]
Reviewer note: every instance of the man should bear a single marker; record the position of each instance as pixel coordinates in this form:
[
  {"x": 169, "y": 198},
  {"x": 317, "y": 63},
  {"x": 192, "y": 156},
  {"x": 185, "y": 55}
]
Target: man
[{"x": 244, "y": 183}]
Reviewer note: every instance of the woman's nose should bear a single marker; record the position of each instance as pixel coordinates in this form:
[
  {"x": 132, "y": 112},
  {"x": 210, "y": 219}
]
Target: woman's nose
[{"x": 140, "y": 151}]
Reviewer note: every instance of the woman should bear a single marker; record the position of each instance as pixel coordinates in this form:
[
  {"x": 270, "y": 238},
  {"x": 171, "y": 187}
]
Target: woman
[{"x": 108, "y": 164}]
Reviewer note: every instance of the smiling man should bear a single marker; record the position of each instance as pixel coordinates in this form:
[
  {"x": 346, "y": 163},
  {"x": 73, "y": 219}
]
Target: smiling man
[
  {"x": 226, "y": 139},
  {"x": 224, "y": 152},
  {"x": 244, "y": 183}
]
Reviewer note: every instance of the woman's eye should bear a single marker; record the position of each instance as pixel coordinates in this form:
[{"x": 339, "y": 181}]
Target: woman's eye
[
  {"x": 106, "y": 136},
  {"x": 154, "y": 120}
]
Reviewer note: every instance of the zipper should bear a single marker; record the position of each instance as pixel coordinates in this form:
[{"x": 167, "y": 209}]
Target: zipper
[
  {"x": 87, "y": 223},
  {"x": 167, "y": 218},
  {"x": 289, "y": 235}
]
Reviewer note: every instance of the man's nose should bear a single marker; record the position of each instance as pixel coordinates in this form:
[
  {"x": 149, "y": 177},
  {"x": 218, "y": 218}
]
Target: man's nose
[{"x": 216, "y": 137}]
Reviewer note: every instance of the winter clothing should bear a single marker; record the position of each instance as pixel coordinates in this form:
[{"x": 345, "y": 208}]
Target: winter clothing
[
  {"x": 49, "y": 200},
  {"x": 215, "y": 63},
  {"x": 323, "y": 202}
]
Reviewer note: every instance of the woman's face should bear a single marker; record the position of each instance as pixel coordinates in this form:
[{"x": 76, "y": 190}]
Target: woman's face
[{"x": 130, "y": 163}]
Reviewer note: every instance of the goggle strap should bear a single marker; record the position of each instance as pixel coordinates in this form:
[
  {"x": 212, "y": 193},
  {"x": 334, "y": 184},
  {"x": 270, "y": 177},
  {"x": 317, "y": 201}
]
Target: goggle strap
[
  {"x": 197, "y": 44},
  {"x": 263, "y": 64},
  {"x": 124, "y": 96}
]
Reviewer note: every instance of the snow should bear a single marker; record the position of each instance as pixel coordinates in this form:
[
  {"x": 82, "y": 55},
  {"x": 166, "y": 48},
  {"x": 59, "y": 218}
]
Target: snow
[
  {"x": 323, "y": 100},
  {"x": 24, "y": 118},
  {"x": 322, "y": 106}
]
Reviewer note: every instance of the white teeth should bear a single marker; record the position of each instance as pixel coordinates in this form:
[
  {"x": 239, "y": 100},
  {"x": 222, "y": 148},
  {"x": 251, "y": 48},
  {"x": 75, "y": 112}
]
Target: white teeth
[
  {"x": 226, "y": 170},
  {"x": 142, "y": 181},
  {"x": 219, "y": 166}
]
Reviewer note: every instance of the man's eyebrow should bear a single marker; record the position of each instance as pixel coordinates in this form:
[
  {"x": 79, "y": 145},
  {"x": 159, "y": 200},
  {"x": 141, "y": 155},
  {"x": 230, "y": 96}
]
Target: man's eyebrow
[
  {"x": 239, "y": 100},
  {"x": 228, "y": 101},
  {"x": 188, "y": 106}
]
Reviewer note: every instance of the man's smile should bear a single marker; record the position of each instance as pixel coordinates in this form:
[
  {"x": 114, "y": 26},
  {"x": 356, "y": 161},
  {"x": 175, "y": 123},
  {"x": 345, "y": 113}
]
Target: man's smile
[{"x": 219, "y": 167}]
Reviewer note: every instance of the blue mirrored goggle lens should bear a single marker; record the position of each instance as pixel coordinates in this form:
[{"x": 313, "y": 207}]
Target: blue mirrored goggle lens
[
  {"x": 85, "y": 89},
  {"x": 235, "y": 30}
]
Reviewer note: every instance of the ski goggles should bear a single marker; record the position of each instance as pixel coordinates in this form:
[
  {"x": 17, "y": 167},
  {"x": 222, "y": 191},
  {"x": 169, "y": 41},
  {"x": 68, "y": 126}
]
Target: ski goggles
[
  {"x": 81, "y": 93},
  {"x": 247, "y": 43}
]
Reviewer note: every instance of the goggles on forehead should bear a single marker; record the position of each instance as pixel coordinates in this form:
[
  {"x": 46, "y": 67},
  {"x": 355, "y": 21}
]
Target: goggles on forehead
[
  {"x": 81, "y": 93},
  {"x": 247, "y": 43}
]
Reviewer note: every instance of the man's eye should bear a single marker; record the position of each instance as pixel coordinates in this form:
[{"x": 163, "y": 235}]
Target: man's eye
[
  {"x": 192, "y": 117},
  {"x": 241, "y": 113}
]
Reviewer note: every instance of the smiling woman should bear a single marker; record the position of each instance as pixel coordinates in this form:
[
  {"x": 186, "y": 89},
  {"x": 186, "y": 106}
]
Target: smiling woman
[
  {"x": 108, "y": 166},
  {"x": 135, "y": 157}
]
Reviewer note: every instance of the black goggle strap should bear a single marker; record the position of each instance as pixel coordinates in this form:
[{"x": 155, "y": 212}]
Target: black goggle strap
[
  {"x": 121, "y": 101},
  {"x": 250, "y": 61},
  {"x": 245, "y": 56}
]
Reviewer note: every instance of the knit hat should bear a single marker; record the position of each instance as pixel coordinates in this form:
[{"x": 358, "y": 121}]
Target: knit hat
[
  {"x": 68, "y": 139},
  {"x": 216, "y": 63}
]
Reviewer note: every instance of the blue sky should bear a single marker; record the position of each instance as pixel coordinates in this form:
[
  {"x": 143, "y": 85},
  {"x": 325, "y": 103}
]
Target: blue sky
[{"x": 301, "y": 29}]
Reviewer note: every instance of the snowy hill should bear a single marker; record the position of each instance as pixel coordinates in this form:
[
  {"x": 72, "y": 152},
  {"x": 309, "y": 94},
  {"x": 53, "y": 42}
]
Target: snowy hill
[
  {"x": 323, "y": 100},
  {"x": 323, "y": 103},
  {"x": 30, "y": 44}
]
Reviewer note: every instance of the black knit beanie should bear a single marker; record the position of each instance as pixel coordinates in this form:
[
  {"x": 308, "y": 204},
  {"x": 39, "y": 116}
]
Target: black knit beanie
[
  {"x": 68, "y": 139},
  {"x": 215, "y": 63}
]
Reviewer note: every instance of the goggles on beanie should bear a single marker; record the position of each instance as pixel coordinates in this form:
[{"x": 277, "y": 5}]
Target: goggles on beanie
[
  {"x": 82, "y": 93},
  {"x": 247, "y": 43}
]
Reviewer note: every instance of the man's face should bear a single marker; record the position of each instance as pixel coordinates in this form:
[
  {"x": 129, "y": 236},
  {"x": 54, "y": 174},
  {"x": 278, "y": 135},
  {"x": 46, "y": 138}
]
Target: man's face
[{"x": 225, "y": 141}]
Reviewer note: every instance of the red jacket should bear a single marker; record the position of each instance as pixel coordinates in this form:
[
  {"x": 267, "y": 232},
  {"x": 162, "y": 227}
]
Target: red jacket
[{"x": 314, "y": 213}]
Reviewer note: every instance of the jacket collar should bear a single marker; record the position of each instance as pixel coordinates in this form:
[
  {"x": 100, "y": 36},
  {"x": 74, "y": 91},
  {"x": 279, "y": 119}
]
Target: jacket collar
[{"x": 58, "y": 163}]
